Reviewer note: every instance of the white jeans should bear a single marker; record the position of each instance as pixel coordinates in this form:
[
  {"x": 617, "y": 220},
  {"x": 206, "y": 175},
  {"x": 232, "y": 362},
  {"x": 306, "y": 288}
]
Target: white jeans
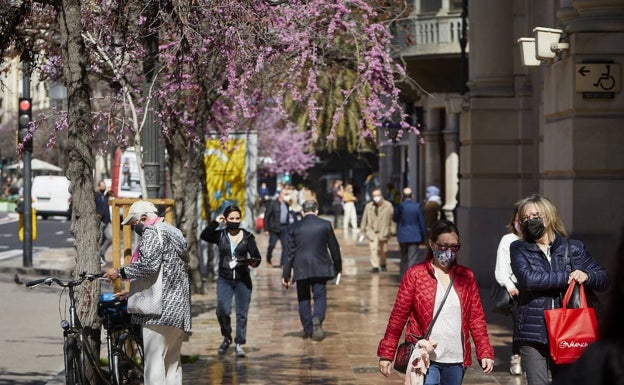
[
  {"x": 350, "y": 217},
  {"x": 161, "y": 347}
]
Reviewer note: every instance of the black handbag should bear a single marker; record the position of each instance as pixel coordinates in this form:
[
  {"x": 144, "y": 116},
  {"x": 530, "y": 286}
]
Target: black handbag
[
  {"x": 502, "y": 300},
  {"x": 404, "y": 351}
]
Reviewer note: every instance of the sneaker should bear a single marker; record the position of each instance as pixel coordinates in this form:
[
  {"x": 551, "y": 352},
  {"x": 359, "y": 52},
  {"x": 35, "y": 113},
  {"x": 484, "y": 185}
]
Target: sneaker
[
  {"x": 102, "y": 261},
  {"x": 240, "y": 353},
  {"x": 225, "y": 345},
  {"x": 317, "y": 330},
  {"x": 515, "y": 366},
  {"x": 374, "y": 270}
]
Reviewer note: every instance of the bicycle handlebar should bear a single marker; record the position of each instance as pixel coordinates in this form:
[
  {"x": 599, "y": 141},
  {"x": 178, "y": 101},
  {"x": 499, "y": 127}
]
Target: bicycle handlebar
[{"x": 65, "y": 283}]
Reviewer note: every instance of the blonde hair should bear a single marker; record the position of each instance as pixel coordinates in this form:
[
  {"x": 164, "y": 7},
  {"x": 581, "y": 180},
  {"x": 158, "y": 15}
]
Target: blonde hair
[{"x": 547, "y": 210}]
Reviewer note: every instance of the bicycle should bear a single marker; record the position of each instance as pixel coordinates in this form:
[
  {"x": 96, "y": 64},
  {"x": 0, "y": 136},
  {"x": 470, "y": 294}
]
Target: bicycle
[{"x": 123, "y": 340}]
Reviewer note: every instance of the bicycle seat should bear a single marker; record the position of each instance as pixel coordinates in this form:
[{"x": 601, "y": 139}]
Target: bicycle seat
[{"x": 113, "y": 311}]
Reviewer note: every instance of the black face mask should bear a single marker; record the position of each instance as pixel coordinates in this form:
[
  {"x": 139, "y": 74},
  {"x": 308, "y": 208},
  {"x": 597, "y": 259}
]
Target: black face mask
[
  {"x": 533, "y": 229},
  {"x": 102, "y": 191},
  {"x": 139, "y": 228},
  {"x": 232, "y": 225}
]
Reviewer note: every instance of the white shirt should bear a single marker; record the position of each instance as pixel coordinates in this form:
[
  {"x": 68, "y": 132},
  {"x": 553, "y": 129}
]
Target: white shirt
[
  {"x": 504, "y": 275},
  {"x": 447, "y": 330}
]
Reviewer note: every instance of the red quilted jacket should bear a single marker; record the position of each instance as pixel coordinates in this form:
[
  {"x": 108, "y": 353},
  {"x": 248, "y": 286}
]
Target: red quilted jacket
[{"x": 415, "y": 300}]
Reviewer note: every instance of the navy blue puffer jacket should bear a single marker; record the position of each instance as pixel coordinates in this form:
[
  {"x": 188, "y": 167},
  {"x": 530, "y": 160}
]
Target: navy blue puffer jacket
[{"x": 542, "y": 285}]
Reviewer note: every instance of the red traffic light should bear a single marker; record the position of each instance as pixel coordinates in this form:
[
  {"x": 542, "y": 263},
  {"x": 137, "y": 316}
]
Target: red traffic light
[{"x": 24, "y": 104}]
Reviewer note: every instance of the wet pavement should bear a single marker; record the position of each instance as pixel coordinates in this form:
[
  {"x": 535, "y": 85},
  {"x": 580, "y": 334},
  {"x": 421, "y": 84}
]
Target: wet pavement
[{"x": 358, "y": 310}]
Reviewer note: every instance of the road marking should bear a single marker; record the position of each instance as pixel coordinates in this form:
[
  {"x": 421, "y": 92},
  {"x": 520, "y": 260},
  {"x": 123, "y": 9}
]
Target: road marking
[{"x": 10, "y": 254}]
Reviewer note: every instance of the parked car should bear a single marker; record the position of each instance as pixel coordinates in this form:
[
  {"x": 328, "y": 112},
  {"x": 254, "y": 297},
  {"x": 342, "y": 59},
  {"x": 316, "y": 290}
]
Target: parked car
[{"x": 51, "y": 197}]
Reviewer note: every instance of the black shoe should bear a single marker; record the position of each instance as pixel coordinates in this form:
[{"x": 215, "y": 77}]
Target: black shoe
[
  {"x": 317, "y": 330},
  {"x": 305, "y": 335},
  {"x": 225, "y": 345},
  {"x": 374, "y": 270},
  {"x": 383, "y": 268},
  {"x": 277, "y": 266}
]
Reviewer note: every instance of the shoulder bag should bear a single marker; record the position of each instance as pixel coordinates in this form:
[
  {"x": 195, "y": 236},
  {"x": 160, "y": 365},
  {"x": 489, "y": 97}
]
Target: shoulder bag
[
  {"x": 404, "y": 351},
  {"x": 502, "y": 300},
  {"x": 146, "y": 294}
]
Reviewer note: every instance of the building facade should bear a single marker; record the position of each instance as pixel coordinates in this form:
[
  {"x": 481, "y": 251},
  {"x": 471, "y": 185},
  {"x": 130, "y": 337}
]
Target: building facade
[{"x": 520, "y": 130}]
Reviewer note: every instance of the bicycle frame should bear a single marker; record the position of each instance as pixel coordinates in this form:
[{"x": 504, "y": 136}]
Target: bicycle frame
[
  {"x": 77, "y": 352},
  {"x": 73, "y": 329}
]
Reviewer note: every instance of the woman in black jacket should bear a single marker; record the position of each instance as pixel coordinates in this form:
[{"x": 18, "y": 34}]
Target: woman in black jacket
[
  {"x": 237, "y": 251},
  {"x": 544, "y": 269}
]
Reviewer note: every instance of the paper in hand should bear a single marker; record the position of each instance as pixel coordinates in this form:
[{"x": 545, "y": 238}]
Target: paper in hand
[{"x": 338, "y": 278}]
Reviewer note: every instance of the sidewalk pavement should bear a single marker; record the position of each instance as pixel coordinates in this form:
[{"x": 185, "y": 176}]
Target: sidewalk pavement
[{"x": 357, "y": 314}]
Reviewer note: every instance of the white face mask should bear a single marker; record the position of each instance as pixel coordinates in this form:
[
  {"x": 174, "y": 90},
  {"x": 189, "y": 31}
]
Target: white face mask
[
  {"x": 376, "y": 199},
  {"x": 287, "y": 198}
]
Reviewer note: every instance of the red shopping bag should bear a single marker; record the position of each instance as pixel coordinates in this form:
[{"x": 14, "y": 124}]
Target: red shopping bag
[
  {"x": 570, "y": 331},
  {"x": 260, "y": 222}
]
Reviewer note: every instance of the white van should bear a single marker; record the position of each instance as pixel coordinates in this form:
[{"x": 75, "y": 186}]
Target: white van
[{"x": 50, "y": 194}]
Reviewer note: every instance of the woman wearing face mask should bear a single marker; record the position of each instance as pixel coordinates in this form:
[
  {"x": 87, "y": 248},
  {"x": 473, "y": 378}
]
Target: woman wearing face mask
[
  {"x": 237, "y": 251},
  {"x": 543, "y": 272},
  {"x": 460, "y": 317}
]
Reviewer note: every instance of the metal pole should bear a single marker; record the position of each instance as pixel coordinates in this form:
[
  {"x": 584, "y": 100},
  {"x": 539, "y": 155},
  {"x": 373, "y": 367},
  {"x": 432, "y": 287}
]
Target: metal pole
[
  {"x": 27, "y": 183},
  {"x": 151, "y": 148}
]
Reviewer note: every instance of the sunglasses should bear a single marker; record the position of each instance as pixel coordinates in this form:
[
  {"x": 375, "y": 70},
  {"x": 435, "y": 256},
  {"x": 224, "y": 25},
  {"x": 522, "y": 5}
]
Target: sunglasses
[{"x": 454, "y": 248}]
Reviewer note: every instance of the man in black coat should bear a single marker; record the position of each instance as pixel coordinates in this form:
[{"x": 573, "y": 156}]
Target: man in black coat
[{"x": 314, "y": 254}]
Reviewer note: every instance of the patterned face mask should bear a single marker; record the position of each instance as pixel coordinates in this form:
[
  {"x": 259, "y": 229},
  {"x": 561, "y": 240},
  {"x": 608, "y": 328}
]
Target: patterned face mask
[{"x": 445, "y": 257}]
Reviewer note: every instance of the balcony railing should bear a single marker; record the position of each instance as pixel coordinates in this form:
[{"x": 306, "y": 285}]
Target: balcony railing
[{"x": 428, "y": 35}]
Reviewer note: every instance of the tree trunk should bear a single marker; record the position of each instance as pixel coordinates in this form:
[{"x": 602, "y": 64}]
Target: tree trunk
[
  {"x": 188, "y": 176},
  {"x": 84, "y": 226}
]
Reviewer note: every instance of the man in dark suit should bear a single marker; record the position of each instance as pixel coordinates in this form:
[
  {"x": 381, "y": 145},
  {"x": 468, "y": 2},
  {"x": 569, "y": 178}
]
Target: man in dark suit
[
  {"x": 411, "y": 230},
  {"x": 276, "y": 220},
  {"x": 314, "y": 254}
]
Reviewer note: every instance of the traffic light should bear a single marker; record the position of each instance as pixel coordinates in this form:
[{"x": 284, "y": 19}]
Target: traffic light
[{"x": 23, "y": 123}]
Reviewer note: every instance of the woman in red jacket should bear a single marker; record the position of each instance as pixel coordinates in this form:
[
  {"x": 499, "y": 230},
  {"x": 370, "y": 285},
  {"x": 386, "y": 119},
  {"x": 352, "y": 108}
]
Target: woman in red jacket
[{"x": 461, "y": 316}]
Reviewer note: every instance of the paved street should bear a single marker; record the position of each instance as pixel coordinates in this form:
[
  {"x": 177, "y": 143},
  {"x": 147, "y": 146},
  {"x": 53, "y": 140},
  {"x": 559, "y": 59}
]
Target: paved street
[{"x": 356, "y": 319}]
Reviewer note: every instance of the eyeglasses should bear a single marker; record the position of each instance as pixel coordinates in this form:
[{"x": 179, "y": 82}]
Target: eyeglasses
[
  {"x": 454, "y": 248},
  {"x": 530, "y": 216}
]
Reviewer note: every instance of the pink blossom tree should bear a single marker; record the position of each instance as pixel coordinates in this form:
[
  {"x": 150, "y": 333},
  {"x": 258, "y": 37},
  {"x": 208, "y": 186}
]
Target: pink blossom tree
[{"x": 325, "y": 66}]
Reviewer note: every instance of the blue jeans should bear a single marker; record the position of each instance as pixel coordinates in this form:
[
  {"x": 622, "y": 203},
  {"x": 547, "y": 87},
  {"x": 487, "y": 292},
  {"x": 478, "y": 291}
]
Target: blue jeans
[
  {"x": 241, "y": 290},
  {"x": 444, "y": 374},
  {"x": 306, "y": 290}
]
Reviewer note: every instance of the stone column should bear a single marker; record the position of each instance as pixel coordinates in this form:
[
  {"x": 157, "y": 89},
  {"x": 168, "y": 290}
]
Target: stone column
[
  {"x": 451, "y": 165},
  {"x": 582, "y": 153},
  {"x": 490, "y": 134},
  {"x": 431, "y": 135}
]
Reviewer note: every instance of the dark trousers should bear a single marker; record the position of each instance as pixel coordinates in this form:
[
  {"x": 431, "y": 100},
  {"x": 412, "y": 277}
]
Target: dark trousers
[
  {"x": 515, "y": 346},
  {"x": 536, "y": 362},
  {"x": 282, "y": 236},
  {"x": 409, "y": 256},
  {"x": 241, "y": 291},
  {"x": 308, "y": 289},
  {"x": 337, "y": 211}
]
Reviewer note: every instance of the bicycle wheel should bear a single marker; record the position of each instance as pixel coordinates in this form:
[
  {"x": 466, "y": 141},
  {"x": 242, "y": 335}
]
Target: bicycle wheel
[
  {"x": 128, "y": 359},
  {"x": 71, "y": 357}
]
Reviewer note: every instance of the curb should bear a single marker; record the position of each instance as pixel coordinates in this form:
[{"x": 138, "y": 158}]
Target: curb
[{"x": 37, "y": 271}]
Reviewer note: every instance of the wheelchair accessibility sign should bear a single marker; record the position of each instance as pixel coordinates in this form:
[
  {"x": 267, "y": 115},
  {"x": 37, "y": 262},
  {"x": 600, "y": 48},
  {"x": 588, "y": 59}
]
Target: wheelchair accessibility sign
[{"x": 598, "y": 77}]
